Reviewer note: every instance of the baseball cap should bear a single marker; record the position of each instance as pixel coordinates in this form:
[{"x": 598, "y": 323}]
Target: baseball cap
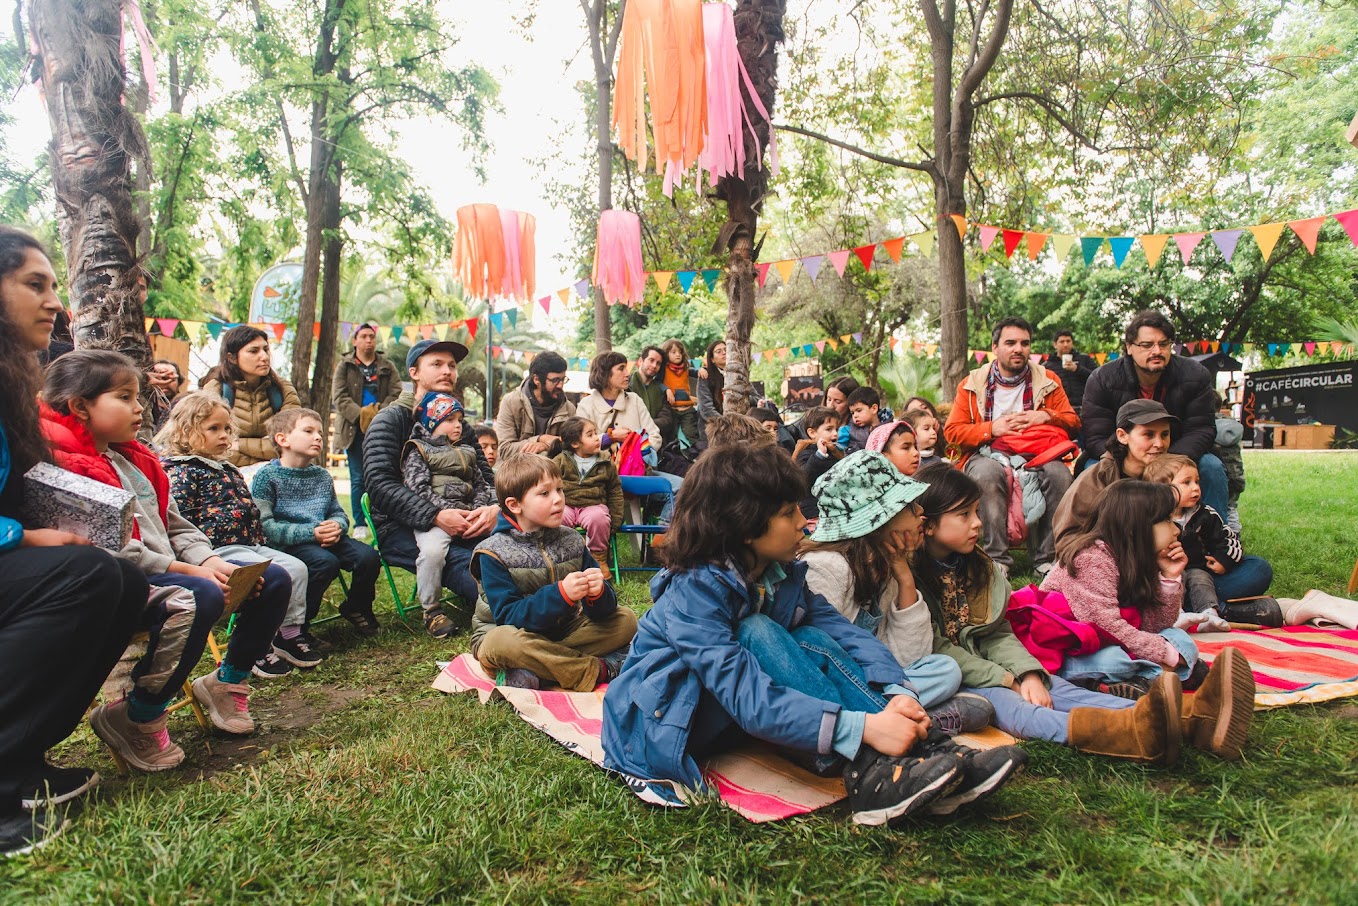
[
  {"x": 1143, "y": 412},
  {"x": 457, "y": 349}
]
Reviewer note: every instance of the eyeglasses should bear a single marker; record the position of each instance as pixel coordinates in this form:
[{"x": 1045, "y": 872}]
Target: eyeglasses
[{"x": 1147, "y": 347}]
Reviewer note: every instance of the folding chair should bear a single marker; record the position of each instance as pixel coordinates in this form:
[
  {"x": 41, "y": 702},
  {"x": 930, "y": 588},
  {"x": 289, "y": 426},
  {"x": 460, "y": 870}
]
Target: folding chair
[
  {"x": 636, "y": 487},
  {"x": 411, "y": 603}
]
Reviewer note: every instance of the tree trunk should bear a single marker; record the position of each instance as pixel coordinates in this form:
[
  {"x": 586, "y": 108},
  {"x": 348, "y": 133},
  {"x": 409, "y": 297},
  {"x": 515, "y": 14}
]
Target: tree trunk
[
  {"x": 95, "y": 140},
  {"x": 759, "y": 31},
  {"x": 603, "y": 41},
  {"x": 330, "y": 300},
  {"x": 952, "y": 294}
]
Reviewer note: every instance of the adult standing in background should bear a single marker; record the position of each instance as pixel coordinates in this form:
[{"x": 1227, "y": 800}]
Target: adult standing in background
[
  {"x": 1073, "y": 368},
  {"x": 365, "y": 382},
  {"x": 532, "y": 414},
  {"x": 245, "y": 378},
  {"x": 712, "y": 385}
]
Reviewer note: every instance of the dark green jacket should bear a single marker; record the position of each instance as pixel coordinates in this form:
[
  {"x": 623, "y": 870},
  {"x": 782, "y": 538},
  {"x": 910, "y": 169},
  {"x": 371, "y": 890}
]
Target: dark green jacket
[
  {"x": 987, "y": 651},
  {"x": 601, "y": 485}
]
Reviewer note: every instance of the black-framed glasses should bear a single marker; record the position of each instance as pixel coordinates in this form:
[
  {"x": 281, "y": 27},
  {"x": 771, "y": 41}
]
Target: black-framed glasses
[{"x": 1149, "y": 345}]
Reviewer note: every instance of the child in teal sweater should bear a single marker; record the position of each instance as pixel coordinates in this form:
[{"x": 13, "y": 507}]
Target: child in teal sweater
[{"x": 303, "y": 517}]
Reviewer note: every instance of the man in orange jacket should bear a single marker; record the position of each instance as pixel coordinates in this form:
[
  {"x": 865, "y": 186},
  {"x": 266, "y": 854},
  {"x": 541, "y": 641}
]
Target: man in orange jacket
[{"x": 1012, "y": 406}]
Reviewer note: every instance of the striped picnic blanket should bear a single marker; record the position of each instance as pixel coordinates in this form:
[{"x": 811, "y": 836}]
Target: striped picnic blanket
[
  {"x": 755, "y": 781},
  {"x": 1294, "y": 665}
]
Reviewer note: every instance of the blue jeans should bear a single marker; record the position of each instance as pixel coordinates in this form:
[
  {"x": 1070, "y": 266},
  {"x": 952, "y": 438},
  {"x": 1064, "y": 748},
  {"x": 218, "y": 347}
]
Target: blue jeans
[
  {"x": 355, "y": 453},
  {"x": 1112, "y": 664},
  {"x": 1212, "y": 479},
  {"x": 1251, "y": 577},
  {"x": 1016, "y": 716}
]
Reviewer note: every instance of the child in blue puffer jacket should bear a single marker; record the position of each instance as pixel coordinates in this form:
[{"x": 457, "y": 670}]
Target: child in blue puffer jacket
[{"x": 737, "y": 646}]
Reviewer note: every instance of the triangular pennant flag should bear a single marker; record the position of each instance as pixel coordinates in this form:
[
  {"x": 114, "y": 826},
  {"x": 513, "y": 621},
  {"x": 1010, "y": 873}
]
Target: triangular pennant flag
[
  {"x": 1101, "y": 357},
  {"x": 662, "y": 279},
  {"x": 1120, "y": 245},
  {"x": 846, "y": 338},
  {"x": 931, "y": 348},
  {"x": 893, "y": 247},
  {"x": 686, "y": 279},
  {"x": 315, "y": 330},
  {"x": 1153, "y": 244},
  {"x": 858, "y": 338},
  {"x": 1336, "y": 346},
  {"x": 1187, "y": 242},
  {"x": 840, "y": 259},
  {"x": 546, "y": 303},
  {"x": 497, "y": 321},
  {"x": 980, "y": 356},
  {"x": 761, "y": 273},
  {"x": 1310, "y": 348},
  {"x": 768, "y": 355},
  {"x": 1226, "y": 241},
  {"x": 834, "y": 344},
  {"x": 1266, "y": 237},
  {"x": 582, "y": 288},
  {"x": 865, "y": 253},
  {"x": 1215, "y": 345},
  {"x": 167, "y": 326},
  {"x": 1272, "y": 349},
  {"x": 1307, "y": 231},
  {"x": 194, "y": 329},
  {"x": 1035, "y": 243},
  {"x": 784, "y": 269},
  {"x": 472, "y": 324},
  {"x": 782, "y": 353},
  {"x": 1089, "y": 247},
  {"x": 278, "y": 330},
  {"x": 1035, "y": 358},
  {"x": 564, "y": 295},
  {"x": 961, "y": 223},
  {"x": 924, "y": 242},
  {"x": 806, "y": 348},
  {"x": 820, "y": 345},
  {"x": 513, "y": 314},
  {"x": 1349, "y": 221},
  {"x": 214, "y": 329},
  {"x": 1062, "y": 244},
  {"x": 384, "y": 334},
  {"x": 811, "y": 264},
  {"x": 710, "y": 278},
  {"x": 149, "y": 322},
  {"x": 1011, "y": 240},
  {"x": 893, "y": 342},
  {"x": 988, "y": 234},
  {"x": 396, "y": 332},
  {"x": 427, "y": 331}
]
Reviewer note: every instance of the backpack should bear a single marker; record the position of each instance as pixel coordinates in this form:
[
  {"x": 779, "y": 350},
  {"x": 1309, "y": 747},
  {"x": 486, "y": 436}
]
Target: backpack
[{"x": 275, "y": 395}]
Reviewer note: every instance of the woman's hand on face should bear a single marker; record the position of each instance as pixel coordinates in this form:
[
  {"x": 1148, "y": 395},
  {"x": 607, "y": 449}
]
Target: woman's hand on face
[{"x": 1173, "y": 561}]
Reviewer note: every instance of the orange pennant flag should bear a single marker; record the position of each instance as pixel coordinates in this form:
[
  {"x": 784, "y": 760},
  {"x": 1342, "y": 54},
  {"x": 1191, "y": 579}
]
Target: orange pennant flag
[
  {"x": 1035, "y": 243},
  {"x": 784, "y": 269},
  {"x": 1266, "y": 235},
  {"x": 961, "y": 225},
  {"x": 564, "y": 295},
  {"x": 894, "y": 247},
  {"x": 662, "y": 279},
  {"x": 1153, "y": 244},
  {"x": 1307, "y": 231}
]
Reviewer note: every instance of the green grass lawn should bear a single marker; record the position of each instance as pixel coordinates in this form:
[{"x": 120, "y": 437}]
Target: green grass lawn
[{"x": 367, "y": 786}]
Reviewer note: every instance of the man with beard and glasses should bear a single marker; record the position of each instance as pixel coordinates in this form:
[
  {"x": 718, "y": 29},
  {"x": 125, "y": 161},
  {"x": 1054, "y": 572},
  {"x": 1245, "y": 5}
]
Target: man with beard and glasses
[
  {"x": 1012, "y": 416},
  {"x": 531, "y": 416},
  {"x": 1149, "y": 370}
]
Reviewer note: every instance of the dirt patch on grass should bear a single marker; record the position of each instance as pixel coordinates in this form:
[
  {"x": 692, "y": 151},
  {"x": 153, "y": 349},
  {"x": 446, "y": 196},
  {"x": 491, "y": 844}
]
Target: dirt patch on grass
[
  {"x": 1348, "y": 712},
  {"x": 280, "y": 719}
]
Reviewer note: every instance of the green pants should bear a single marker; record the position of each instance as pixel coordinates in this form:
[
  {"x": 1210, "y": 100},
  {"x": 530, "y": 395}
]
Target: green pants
[{"x": 572, "y": 662}]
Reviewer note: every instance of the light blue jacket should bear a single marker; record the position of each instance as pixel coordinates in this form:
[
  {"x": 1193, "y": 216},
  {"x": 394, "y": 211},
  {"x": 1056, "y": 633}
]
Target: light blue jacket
[{"x": 686, "y": 646}]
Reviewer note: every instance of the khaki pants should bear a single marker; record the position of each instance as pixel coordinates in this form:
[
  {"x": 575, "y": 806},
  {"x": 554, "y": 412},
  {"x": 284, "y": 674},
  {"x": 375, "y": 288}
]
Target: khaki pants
[{"x": 572, "y": 662}]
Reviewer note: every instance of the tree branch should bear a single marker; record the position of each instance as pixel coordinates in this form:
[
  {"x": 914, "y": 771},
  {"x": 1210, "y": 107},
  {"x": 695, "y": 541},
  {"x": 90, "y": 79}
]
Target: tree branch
[{"x": 925, "y": 167}]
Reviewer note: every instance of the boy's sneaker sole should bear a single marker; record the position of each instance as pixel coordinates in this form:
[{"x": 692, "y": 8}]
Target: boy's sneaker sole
[
  {"x": 297, "y": 652},
  {"x": 58, "y": 785},
  {"x": 271, "y": 666},
  {"x": 29, "y": 831},
  {"x": 940, "y": 776},
  {"x": 993, "y": 776}
]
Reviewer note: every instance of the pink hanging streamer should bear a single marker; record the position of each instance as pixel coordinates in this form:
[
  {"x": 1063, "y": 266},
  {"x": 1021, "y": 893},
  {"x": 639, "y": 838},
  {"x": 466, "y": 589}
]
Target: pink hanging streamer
[
  {"x": 494, "y": 253},
  {"x": 513, "y": 275},
  {"x": 617, "y": 258},
  {"x": 148, "y": 47},
  {"x": 724, "y": 146}
]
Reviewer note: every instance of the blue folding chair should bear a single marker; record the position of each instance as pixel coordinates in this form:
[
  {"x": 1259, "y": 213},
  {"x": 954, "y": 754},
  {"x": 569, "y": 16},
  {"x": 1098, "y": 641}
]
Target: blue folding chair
[{"x": 638, "y": 487}]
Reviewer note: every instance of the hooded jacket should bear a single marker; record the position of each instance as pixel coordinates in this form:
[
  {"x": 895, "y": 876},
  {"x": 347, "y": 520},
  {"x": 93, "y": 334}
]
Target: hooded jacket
[
  {"x": 250, "y": 413},
  {"x": 514, "y": 424},
  {"x": 1185, "y": 389},
  {"x": 685, "y": 652},
  {"x": 348, "y": 389},
  {"x": 986, "y": 648},
  {"x": 966, "y": 428}
]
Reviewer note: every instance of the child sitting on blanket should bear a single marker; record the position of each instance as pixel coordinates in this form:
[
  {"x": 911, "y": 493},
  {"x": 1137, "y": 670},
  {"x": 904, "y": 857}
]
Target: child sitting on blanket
[
  {"x": 1218, "y": 570},
  {"x": 737, "y": 646},
  {"x": 545, "y": 613}
]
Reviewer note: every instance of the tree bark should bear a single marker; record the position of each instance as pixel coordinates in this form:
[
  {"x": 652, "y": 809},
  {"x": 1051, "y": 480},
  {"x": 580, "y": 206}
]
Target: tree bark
[
  {"x": 603, "y": 42},
  {"x": 95, "y": 141},
  {"x": 759, "y": 31},
  {"x": 333, "y": 258}
]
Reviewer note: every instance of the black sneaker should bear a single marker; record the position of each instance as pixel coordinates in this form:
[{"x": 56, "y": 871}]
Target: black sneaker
[
  {"x": 271, "y": 666},
  {"x": 364, "y": 620},
  {"x": 1133, "y": 688},
  {"x": 518, "y": 678},
  {"x": 319, "y": 645},
  {"x": 983, "y": 771},
  {"x": 23, "y": 832},
  {"x": 297, "y": 652},
  {"x": 437, "y": 624},
  {"x": 53, "y": 785},
  {"x": 614, "y": 660},
  {"x": 965, "y": 712},
  {"x": 884, "y": 789}
]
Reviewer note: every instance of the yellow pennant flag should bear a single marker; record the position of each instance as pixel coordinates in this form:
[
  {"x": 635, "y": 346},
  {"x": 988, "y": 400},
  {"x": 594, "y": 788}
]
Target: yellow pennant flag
[
  {"x": 662, "y": 279},
  {"x": 931, "y": 348},
  {"x": 784, "y": 269},
  {"x": 846, "y": 338},
  {"x": 925, "y": 242},
  {"x": 961, "y": 223},
  {"x": 1062, "y": 244},
  {"x": 1153, "y": 244},
  {"x": 768, "y": 355},
  {"x": 564, "y": 295},
  {"x": 194, "y": 329},
  {"x": 834, "y": 344},
  {"x": 149, "y": 322},
  {"x": 384, "y": 334},
  {"x": 1266, "y": 235},
  {"x": 1102, "y": 357}
]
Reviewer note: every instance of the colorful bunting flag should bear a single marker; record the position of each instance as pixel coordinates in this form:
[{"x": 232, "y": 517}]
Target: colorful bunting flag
[
  {"x": 1120, "y": 246},
  {"x": 1011, "y": 240},
  {"x": 1153, "y": 244},
  {"x": 1266, "y": 237},
  {"x": 784, "y": 269},
  {"x": 1226, "y": 241},
  {"x": 546, "y": 303},
  {"x": 924, "y": 242},
  {"x": 1307, "y": 231},
  {"x": 1089, "y": 247},
  {"x": 662, "y": 279},
  {"x": 710, "y": 278},
  {"x": 961, "y": 223},
  {"x": 988, "y": 234},
  {"x": 811, "y": 264},
  {"x": 761, "y": 273},
  {"x": 1062, "y": 244},
  {"x": 1349, "y": 221},
  {"x": 840, "y": 259},
  {"x": 894, "y": 247},
  {"x": 686, "y": 279},
  {"x": 1035, "y": 243},
  {"x": 1187, "y": 242},
  {"x": 865, "y": 253}
]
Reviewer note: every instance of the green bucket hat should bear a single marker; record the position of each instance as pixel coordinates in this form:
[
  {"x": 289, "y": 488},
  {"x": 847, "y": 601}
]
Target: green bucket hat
[{"x": 860, "y": 494}]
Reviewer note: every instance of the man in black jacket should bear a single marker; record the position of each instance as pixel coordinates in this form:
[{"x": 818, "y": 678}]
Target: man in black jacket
[
  {"x": 399, "y": 512},
  {"x": 1148, "y": 369},
  {"x": 1073, "y": 368}
]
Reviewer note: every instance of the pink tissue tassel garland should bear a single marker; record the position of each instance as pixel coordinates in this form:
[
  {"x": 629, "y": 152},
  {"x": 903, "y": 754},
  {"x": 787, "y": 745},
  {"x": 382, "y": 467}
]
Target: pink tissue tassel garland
[
  {"x": 494, "y": 252},
  {"x": 520, "y": 277},
  {"x": 617, "y": 258},
  {"x": 723, "y": 151}
]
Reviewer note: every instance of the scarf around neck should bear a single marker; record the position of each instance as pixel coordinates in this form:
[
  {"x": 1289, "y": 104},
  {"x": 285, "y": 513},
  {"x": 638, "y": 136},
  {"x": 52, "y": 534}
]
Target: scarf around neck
[{"x": 997, "y": 378}]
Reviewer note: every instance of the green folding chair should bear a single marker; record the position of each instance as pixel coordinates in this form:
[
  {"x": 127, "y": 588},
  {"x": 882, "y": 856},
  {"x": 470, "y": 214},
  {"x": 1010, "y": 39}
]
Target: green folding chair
[{"x": 411, "y": 602}]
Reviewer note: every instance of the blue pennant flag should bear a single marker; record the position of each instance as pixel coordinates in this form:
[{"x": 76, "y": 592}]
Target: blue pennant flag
[{"x": 686, "y": 279}]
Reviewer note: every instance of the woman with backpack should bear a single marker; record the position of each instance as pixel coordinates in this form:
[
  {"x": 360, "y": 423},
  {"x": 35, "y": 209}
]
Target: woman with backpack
[{"x": 253, "y": 391}]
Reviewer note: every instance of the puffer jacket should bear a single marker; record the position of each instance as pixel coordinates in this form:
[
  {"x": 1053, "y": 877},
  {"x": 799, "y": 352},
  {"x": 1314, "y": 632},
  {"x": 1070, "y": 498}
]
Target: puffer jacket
[
  {"x": 514, "y": 424},
  {"x": 348, "y": 390},
  {"x": 601, "y": 485},
  {"x": 395, "y": 506},
  {"x": 986, "y": 649},
  {"x": 1185, "y": 389},
  {"x": 685, "y": 651},
  {"x": 966, "y": 428},
  {"x": 215, "y": 497},
  {"x": 250, "y": 416}
]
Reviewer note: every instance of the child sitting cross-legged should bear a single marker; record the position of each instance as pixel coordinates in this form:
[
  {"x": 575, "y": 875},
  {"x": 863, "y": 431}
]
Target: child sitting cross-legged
[
  {"x": 592, "y": 487},
  {"x": 737, "y": 646},
  {"x": 214, "y": 495},
  {"x": 439, "y": 464},
  {"x": 303, "y": 517},
  {"x": 545, "y": 613}
]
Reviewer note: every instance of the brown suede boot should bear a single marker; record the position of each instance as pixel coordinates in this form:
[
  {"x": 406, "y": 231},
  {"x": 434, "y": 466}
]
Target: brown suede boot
[
  {"x": 1218, "y": 716},
  {"x": 1149, "y": 732},
  {"x": 601, "y": 557}
]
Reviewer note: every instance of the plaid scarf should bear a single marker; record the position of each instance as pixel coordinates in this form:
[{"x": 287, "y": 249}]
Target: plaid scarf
[{"x": 996, "y": 377}]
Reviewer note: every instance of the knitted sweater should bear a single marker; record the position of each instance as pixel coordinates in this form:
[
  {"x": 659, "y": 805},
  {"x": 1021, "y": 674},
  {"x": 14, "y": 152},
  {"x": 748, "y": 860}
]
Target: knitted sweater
[
  {"x": 907, "y": 631},
  {"x": 215, "y": 497},
  {"x": 292, "y": 502},
  {"x": 1093, "y": 598}
]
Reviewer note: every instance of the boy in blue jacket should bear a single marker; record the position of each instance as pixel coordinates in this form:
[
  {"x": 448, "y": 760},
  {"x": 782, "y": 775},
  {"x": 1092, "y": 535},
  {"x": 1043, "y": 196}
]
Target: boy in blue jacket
[{"x": 545, "y": 612}]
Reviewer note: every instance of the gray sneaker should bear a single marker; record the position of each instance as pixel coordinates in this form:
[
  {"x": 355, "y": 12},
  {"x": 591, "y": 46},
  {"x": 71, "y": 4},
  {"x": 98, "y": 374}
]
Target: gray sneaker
[{"x": 965, "y": 712}]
